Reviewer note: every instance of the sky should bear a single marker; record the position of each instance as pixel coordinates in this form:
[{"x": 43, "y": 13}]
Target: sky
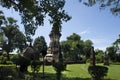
[{"x": 100, "y": 26}]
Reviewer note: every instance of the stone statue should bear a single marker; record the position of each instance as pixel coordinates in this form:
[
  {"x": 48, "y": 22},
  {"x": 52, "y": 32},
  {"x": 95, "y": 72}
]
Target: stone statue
[
  {"x": 92, "y": 57},
  {"x": 106, "y": 59}
]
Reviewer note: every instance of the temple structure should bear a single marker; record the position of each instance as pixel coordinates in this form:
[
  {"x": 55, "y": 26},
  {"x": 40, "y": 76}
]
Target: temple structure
[{"x": 54, "y": 46}]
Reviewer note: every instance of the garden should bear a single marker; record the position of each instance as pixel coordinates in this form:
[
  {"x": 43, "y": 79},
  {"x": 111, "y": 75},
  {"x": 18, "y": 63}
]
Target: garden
[{"x": 70, "y": 59}]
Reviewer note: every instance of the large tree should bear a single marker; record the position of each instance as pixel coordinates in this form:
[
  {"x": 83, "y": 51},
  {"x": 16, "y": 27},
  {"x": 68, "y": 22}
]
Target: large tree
[
  {"x": 11, "y": 31},
  {"x": 72, "y": 48},
  {"x": 33, "y": 12},
  {"x": 19, "y": 41},
  {"x": 112, "y": 53},
  {"x": 87, "y": 47}
]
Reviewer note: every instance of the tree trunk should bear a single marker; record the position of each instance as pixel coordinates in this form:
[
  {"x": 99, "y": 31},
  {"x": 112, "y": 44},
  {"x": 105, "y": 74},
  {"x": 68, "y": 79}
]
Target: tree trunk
[
  {"x": 8, "y": 56},
  {"x": 58, "y": 75}
]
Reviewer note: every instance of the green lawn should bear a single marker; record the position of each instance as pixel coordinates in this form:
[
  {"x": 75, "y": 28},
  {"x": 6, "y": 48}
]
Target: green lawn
[
  {"x": 114, "y": 72},
  {"x": 79, "y": 72},
  {"x": 73, "y": 72}
]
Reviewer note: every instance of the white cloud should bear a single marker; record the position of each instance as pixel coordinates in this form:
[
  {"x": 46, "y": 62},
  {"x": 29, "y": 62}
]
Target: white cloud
[{"x": 84, "y": 32}]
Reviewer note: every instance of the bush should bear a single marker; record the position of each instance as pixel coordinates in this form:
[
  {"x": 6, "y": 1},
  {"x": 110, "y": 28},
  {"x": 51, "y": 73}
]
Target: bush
[
  {"x": 115, "y": 63},
  {"x": 59, "y": 67},
  {"x": 21, "y": 61},
  {"x": 35, "y": 66},
  {"x": 3, "y": 60},
  {"x": 8, "y": 73},
  {"x": 97, "y": 72}
]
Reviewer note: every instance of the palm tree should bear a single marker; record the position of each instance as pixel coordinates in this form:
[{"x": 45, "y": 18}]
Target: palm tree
[{"x": 10, "y": 31}]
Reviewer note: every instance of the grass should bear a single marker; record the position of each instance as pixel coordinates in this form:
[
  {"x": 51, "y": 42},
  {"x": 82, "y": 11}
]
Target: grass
[
  {"x": 114, "y": 72},
  {"x": 76, "y": 72},
  {"x": 79, "y": 71}
]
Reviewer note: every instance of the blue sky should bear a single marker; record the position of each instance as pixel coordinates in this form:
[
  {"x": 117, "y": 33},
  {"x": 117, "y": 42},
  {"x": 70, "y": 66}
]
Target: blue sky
[{"x": 100, "y": 26}]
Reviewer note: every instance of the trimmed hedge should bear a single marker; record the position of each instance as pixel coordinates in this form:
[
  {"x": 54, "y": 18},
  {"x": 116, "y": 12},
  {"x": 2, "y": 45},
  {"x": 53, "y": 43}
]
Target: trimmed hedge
[{"x": 97, "y": 72}]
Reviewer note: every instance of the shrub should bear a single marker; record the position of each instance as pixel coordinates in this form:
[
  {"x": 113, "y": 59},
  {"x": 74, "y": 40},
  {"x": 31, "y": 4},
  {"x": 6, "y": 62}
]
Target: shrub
[
  {"x": 59, "y": 67},
  {"x": 97, "y": 72},
  {"x": 35, "y": 66},
  {"x": 22, "y": 61},
  {"x": 8, "y": 73}
]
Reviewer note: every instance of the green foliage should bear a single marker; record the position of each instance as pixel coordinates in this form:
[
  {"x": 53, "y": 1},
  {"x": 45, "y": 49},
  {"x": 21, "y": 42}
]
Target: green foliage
[
  {"x": 74, "y": 48},
  {"x": 33, "y": 13},
  {"x": 16, "y": 39},
  {"x": 97, "y": 72},
  {"x": 99, "y": 56},
  {"x": 115, "y": 63},
  {"x": 35, "y": 66},
  {"x": 2, "y": 18},
  {"x": 20, "y": 60},
  {"x": 3, "y": 60},
  {"x": 59, "y": 67},
  {"x": 87, "y": 47},
  {"x": 40, "y": 45},
  {"x": 74, "y": 37},
  {"x": 113, "y": 5},
  {"x": 8, "y": 73},
  {"x": 111, "y": 52},
  {"x": 19, "y": 41}
]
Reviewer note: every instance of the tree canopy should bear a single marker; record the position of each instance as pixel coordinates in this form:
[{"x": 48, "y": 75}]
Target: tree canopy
[
  {"x": 74, "y": 47},
  {"x": 113, "y": 5},
  {"x": 40, "y": 45},
  {"x": 33, "y": 12},
  {"x": 16, "y": 39}
]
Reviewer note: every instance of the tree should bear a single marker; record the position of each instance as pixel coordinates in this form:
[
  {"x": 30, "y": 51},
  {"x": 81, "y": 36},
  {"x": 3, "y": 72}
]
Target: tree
[
  {"x": 111, "y": 52},
  {"x": 33, "y": 12},
  {"x": 74, "y": 37},
  {"x": 41, "y": 48},
  {"x": 87, "y": 47},
  {"x": 113, "y": 5},
  {"x": 11, "y": 31},
  {"x": 40, "y": 45},
  {"x": 2, "y": 18},
  {"x": 99, "y": 55},
  {"x": 65, "y": 48},
  {"x": 72, "y": 48},
  {"x": 116, "y": 43},
  {"x": 19, "y": 41}
]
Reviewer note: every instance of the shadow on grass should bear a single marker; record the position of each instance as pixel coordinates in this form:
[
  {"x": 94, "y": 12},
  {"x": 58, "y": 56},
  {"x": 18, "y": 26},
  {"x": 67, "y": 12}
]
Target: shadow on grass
[
  {"x": 109, "y": 79},
  {"x": 51, "y": 76}
]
